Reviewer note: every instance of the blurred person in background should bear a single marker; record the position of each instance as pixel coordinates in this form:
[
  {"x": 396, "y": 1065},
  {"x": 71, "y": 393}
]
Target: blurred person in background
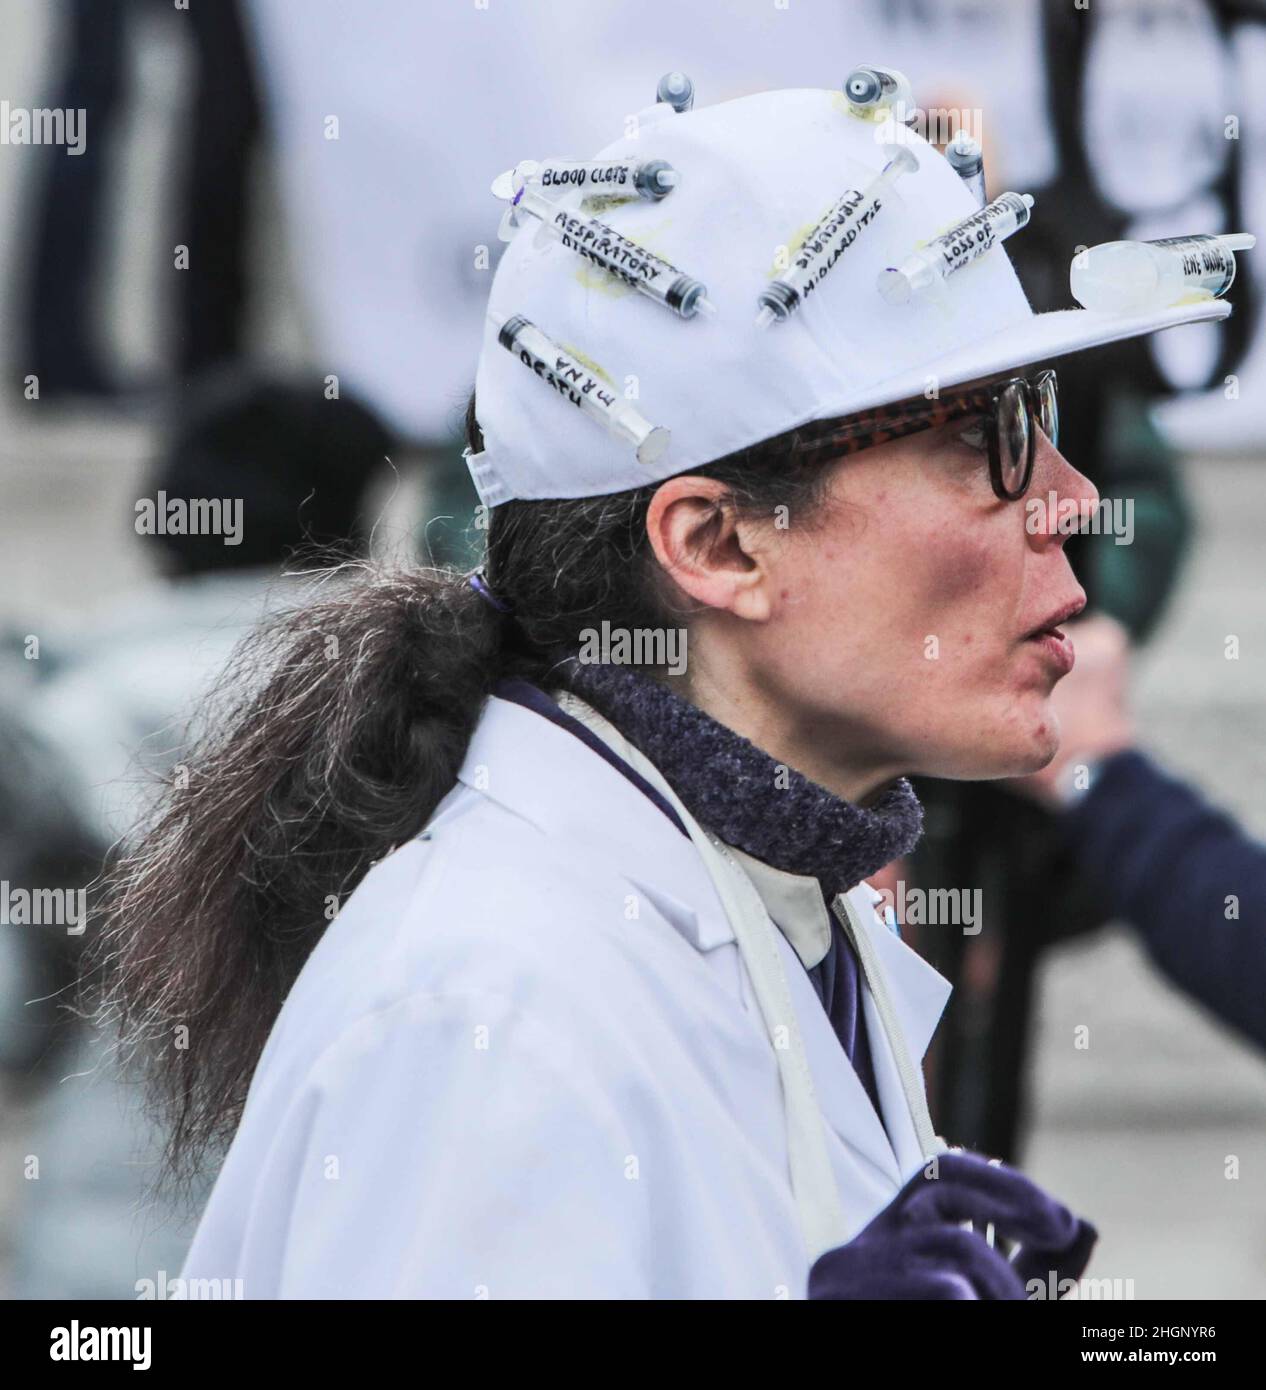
[
  {"x": 99, "y": 699},
  {"x": 1157, "y": 855},
  {"x": 62, "y": 281},
  {"x": 1125, "y": 161}
]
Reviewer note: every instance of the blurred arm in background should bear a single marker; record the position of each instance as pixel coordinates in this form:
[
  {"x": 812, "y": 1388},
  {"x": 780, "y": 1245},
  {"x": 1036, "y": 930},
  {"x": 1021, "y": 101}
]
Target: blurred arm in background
[{"x": 1180, "y": 871}]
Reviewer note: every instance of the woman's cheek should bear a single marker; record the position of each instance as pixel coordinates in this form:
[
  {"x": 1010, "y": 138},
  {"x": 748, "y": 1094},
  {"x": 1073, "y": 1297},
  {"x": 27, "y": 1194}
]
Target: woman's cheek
[{"x": 966, "y": 574}]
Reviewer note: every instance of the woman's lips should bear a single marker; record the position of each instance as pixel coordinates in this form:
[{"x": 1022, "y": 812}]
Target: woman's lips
[{"x": 1056, "y": 648}]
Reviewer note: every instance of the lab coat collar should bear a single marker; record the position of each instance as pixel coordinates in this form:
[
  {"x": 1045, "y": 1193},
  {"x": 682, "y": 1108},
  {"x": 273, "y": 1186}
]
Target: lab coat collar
[
  {"x": 798, "y": 909},
  {"x": 796, "y": 905},
  {"x": 919, "y": 992},
  {"x": 544, "y": 773},
  {"x": 547, "y": 775}
]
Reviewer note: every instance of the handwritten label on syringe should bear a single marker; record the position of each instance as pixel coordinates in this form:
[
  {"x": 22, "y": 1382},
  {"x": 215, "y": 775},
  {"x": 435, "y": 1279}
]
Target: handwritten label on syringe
[
  {"x": 976, "y": 234},
  {"x": 578, "y": 175},
  {"x": 1205, "y": 261},
  {"x": 568, "y": 378},
  {"x": 970, "y": 240},
  {"x": 828, "y": 241},
  {"x": 607, "y": 248}
]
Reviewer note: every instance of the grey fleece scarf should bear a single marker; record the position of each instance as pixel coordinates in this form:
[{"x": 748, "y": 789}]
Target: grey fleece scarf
[{"x": 738, "y": 791}]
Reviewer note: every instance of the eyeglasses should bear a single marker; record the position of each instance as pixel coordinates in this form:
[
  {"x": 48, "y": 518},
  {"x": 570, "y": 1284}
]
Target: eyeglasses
[{"x": 1007, "y": 411}]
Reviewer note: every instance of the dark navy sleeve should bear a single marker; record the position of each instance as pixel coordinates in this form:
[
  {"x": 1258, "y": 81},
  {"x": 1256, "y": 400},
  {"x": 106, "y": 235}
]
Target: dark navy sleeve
[{"x": 1186, "y": 877}]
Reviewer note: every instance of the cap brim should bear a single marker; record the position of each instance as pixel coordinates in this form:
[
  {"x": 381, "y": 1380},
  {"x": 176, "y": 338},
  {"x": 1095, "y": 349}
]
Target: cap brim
[{"x": 1040, "y": 339}]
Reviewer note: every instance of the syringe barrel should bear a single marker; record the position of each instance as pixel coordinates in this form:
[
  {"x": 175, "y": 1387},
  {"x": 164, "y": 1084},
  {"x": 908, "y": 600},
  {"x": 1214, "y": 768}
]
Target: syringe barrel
[
  {"x": 967, "y": 160},
  {"x": 629, "y": 177},
  {"x": 835, "y": 232},
  {"x": 965, "y": 155},
  {"x": 964, "y": 243},
  {"x": 580, "y": 386},
  {"x": 1202, "y": 264},
  {"x": 648, "y": 273}
]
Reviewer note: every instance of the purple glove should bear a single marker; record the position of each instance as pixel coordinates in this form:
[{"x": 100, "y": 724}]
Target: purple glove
[{"x": 915, "y": 1247}]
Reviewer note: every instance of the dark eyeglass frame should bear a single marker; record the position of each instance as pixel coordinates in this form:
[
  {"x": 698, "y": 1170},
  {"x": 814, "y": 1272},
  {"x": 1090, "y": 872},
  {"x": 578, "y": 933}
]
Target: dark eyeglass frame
[{"x": 1030, "y": 401}]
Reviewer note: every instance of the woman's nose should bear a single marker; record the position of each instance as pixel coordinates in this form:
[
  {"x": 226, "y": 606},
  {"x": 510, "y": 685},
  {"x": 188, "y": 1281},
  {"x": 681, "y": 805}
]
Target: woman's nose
[{"x": 1060, "y": 501}]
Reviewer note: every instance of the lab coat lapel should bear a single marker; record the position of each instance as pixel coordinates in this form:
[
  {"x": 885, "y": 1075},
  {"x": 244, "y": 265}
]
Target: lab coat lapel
[
  {"x": 919, "y": 994},
  {"x": 548, "y": 776},
  {"x": 845, "y": 1105}
]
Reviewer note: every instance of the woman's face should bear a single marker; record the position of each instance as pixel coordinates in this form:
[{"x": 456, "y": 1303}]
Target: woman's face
[{"x": 916, "y": 622}]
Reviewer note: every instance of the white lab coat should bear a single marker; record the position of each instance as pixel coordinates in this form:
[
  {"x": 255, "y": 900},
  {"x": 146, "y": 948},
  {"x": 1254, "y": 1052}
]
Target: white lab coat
[{"x": 528, "y": 1059}]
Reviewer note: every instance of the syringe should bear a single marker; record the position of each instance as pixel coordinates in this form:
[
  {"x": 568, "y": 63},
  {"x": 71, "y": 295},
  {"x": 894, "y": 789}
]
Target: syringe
[
  {"x": 576, "y": 383},
  {"x": 871, "y": 90},
  {"x": 604, "y": 246},
  {"x": 967, "y": 160},
  {"x": 1133, "y": 277},
  {"x": 826, "y": 243},
  {"x": 677, "y": 90},
  {"x": 964, "y": 243},
  {"x": 630, "y": 177}
]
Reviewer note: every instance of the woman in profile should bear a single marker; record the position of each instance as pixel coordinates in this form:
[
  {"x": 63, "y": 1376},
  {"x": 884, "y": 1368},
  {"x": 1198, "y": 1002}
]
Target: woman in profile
[{"x": 503, "y": 972}]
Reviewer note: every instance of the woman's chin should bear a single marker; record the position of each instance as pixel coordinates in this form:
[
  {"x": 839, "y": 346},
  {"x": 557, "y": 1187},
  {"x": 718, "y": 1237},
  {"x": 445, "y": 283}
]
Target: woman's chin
[
  {"x": 1038, "y": 749},
  {"x": 1007, "y": 749}
]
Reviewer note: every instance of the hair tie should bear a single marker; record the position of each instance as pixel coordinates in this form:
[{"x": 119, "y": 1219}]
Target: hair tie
[{"x": 477, "y": 581}]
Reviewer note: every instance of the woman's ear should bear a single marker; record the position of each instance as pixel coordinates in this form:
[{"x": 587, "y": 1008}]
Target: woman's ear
[{"x": 714, "y": 557}]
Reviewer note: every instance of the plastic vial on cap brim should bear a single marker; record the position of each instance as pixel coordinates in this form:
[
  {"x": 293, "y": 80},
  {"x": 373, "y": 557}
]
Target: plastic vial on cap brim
[
  {"x": 574, "y": 382},
  {"x": 835, "y": 232},
  {"x": 964, "y": 243},
  {"x": 648, "y": 273},
  {"x": 1135, "y": 277},
  {"x": 677, "y": 90}
]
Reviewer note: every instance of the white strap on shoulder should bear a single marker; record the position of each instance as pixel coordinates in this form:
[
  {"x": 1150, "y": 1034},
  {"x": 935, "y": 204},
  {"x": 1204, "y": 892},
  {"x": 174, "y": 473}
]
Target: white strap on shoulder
[{"x": 813, "y": 1181}]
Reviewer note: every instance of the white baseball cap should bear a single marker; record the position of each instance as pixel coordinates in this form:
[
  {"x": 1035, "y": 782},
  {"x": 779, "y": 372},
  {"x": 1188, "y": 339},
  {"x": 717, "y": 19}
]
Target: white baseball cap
[{"x": 756, "y": 176}]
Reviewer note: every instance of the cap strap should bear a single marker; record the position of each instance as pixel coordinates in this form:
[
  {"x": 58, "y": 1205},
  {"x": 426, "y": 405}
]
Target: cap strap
[{"x": 492, "y": 491}]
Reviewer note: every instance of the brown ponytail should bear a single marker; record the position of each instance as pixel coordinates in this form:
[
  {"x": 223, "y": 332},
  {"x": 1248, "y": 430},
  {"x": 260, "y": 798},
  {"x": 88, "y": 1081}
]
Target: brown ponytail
[{"x": 335, "y": 733}]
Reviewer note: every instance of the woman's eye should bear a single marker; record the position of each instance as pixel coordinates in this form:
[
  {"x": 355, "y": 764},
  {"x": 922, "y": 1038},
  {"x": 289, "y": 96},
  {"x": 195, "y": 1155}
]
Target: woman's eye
[{"x": 972, "y": 434}]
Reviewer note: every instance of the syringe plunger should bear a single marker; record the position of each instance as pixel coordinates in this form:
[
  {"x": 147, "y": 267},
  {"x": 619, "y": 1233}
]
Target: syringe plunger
[{"x": 677, "y": 90}]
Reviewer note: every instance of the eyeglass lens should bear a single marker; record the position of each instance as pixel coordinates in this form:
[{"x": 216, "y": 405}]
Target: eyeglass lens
[{"x": 1013, "y": 436}]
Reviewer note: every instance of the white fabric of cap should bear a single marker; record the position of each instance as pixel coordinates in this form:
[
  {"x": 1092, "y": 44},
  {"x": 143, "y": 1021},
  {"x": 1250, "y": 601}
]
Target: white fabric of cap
[{"x": 757, "y": 174}]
